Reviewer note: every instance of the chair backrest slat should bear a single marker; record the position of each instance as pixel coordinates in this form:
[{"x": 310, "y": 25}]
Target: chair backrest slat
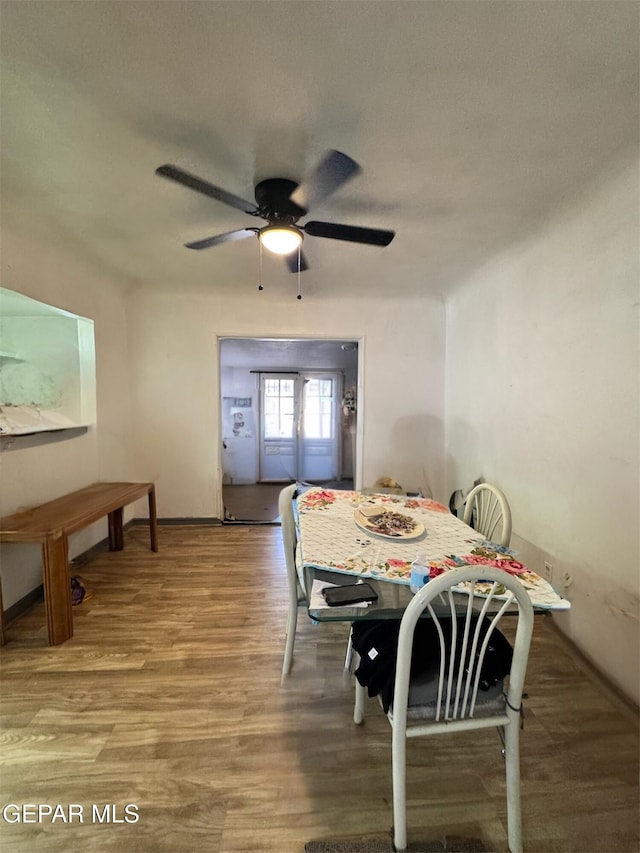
[
  {"x": 443, "y": 660},
  {"x": 463, "y": 651},
  {"x": 473, "y": 678}
]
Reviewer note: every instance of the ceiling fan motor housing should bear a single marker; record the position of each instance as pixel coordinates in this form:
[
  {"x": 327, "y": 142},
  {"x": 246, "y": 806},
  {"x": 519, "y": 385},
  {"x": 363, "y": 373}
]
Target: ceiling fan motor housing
[{"x": 274, "y": 203}]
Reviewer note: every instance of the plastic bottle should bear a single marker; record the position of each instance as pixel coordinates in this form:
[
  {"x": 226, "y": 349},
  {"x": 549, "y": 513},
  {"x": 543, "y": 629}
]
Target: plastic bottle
[{"x": 419, "y": 572}]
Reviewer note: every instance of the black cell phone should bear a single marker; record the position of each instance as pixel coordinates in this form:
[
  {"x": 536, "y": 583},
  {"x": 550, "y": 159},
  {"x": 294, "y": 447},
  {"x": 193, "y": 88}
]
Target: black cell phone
[{"x": 335, "y": 596}]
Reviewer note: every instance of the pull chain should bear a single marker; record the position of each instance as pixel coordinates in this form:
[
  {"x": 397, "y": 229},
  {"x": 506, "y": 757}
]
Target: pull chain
[
  {"x": 260, "y": 287},
  {"x": 299, "y": 253}
]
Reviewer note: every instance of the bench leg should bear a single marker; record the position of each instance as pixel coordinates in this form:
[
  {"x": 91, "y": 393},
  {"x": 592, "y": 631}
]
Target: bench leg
[
  {"x": 153, "y": 520},
  {"x": 3, "y": 632},
  {"x": 116, "y": 534},
  {"x": 57, "y": 589}
]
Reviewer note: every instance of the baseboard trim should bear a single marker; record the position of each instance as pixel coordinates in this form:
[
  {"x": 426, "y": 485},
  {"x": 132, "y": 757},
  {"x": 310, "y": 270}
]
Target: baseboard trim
[
  {"x": 180, "y": 521},
  {"x": 23, "y": 604}
]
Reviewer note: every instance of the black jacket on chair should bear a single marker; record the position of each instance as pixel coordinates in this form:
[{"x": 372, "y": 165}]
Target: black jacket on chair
[{"x": 376, "y": 641}]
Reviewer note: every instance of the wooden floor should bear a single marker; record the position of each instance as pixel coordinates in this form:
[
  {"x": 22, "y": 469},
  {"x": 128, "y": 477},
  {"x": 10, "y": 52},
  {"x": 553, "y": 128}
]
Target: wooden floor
[
  {"x": 168, "y": 698},
  {"x": 259, "y": 501},
  {"x": 254, "y": 502}
]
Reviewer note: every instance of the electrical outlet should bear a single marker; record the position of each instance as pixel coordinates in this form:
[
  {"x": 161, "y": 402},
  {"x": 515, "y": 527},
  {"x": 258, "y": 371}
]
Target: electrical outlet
[{"x": 548, "y": 571}]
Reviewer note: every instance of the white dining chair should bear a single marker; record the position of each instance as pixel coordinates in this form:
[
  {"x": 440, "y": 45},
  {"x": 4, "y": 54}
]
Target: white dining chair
[
  {"x": 447, "y": 699},
  {"x": 488, "y": 508},
  {"x": 295, "y": 575}
]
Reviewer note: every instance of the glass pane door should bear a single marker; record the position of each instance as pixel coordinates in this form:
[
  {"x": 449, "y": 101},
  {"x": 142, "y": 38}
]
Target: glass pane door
[
  {"x": 318, "y": 440},
  {"x": 299, "y": 427},
  {"x": 279, "y": 427}
]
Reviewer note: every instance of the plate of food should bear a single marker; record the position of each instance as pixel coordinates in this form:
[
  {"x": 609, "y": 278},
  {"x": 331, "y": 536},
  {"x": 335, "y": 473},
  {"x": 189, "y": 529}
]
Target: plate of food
[{"x": 388, "y": 523}]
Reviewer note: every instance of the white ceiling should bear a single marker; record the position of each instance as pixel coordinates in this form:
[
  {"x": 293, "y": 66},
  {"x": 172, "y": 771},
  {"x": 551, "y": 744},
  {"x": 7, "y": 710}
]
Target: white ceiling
[{"x": 472, "y": 121}]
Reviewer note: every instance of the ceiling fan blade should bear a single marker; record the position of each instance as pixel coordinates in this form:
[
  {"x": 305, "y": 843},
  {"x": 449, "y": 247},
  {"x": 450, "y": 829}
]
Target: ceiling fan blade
[
  {"x": 204, "y": 187},
  {"x": 351, "y": 233},
  {"x": 228, "y": 237},
  {"x": 292, "y": 262},
  {"x": 333, "y": 170}
]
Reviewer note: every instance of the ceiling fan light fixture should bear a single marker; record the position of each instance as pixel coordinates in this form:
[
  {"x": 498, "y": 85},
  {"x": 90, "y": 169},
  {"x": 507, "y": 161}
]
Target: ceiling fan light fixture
[{"x": 281, "y": 239}]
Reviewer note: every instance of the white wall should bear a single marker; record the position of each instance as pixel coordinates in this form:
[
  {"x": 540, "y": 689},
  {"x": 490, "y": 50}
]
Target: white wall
[
  {"x": 542, "y": 399},
  {"x": 33, "y": 474},
  {"x": 175, "y": 374}
]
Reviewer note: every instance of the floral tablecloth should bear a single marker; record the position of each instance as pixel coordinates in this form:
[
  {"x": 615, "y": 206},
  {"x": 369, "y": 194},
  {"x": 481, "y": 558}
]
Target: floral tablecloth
[{"x": 331, "y": 539}]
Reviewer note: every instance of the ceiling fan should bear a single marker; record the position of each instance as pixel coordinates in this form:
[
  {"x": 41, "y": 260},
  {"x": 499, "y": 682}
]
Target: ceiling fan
[{"x": 281, "y": 203}]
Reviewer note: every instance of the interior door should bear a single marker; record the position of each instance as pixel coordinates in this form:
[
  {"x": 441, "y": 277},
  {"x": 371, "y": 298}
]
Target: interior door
[
  {"x": 299, "y": 427},
  {"x": 279, "y": 407},
  {"x": 319, "y": 431}
]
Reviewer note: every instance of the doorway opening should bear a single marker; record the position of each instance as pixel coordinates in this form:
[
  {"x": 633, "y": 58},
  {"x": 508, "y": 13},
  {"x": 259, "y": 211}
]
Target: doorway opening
[{"x": 289, "y": 413}]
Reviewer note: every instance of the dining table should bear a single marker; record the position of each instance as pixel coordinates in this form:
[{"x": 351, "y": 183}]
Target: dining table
[{"x": 346, "y": 536}]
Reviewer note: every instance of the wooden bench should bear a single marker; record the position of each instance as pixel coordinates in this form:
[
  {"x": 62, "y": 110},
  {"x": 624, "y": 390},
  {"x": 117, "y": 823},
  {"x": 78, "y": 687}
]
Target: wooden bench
[{"x": 51, "y": 523}]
